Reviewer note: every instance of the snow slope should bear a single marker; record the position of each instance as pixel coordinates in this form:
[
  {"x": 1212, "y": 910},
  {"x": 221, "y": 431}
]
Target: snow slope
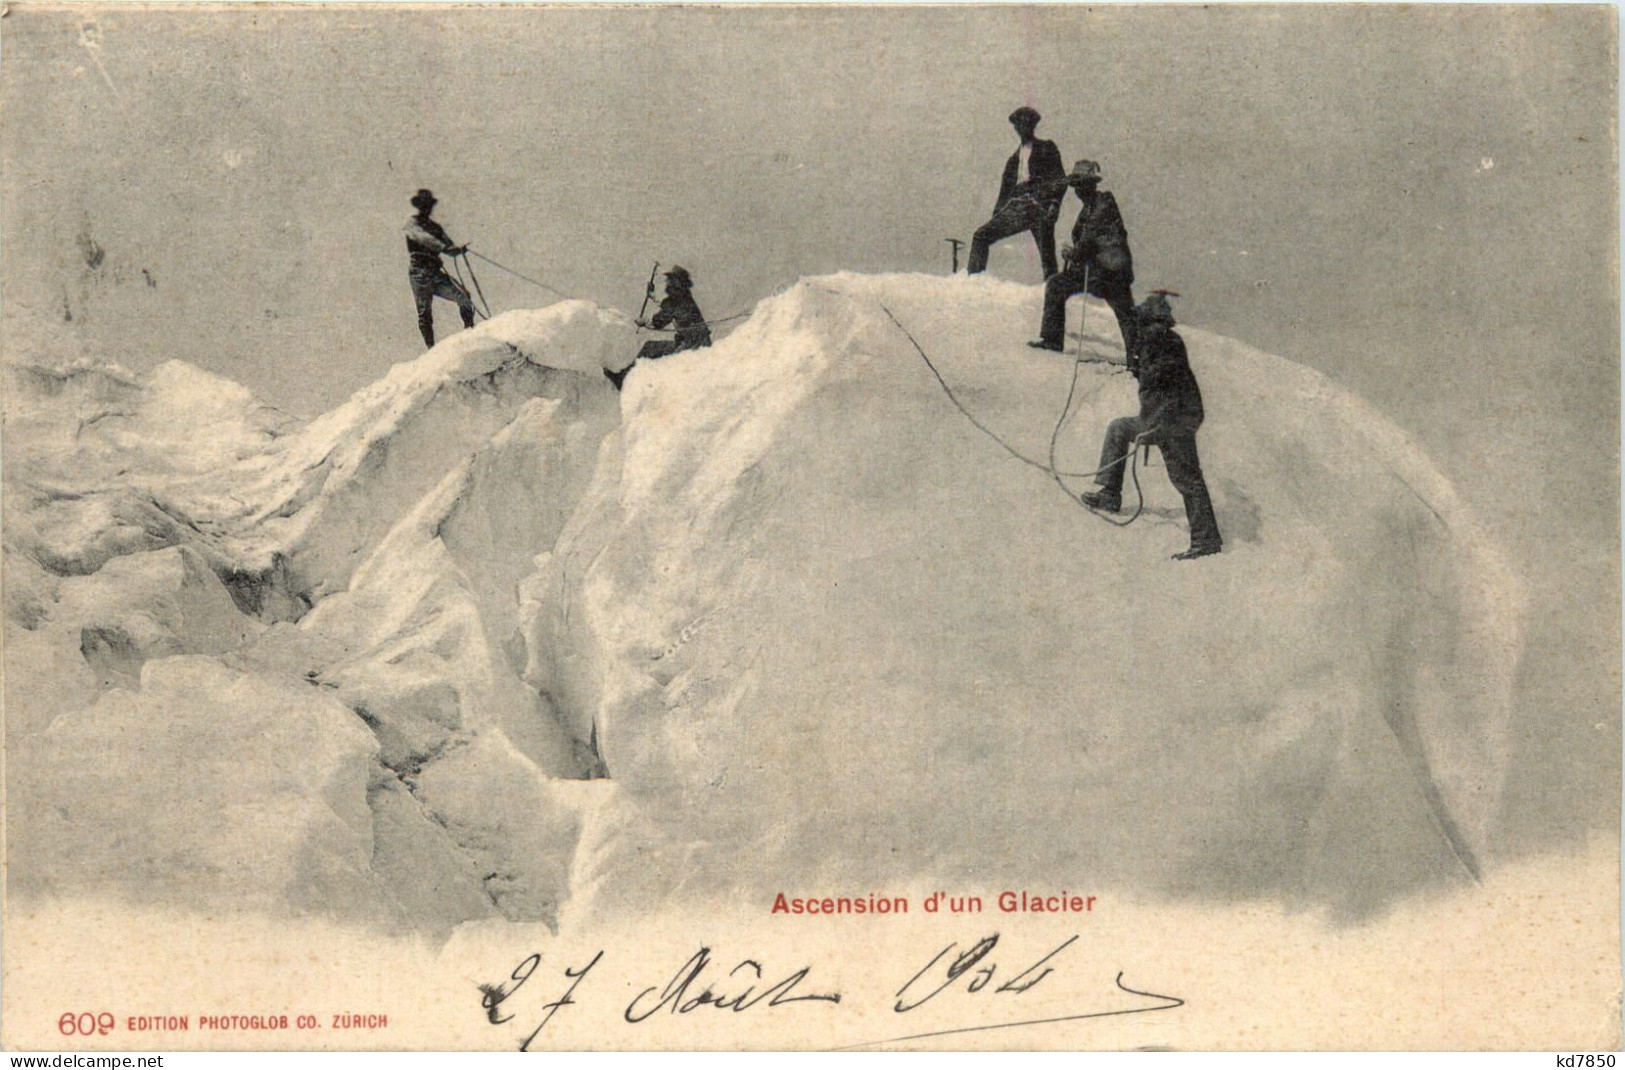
[
  {"x": 777, "y": 616},
  {"x": 818, "y": 614}
]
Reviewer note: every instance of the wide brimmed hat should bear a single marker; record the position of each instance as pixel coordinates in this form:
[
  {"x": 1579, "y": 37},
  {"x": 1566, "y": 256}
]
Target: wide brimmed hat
[
  {"x": 1156, "y": 309},
  {"x": 424, "y": 199},
  {"x": 1024, "y": 112},
  {"x": 1086, "y": 169},
  {"x": 680, "y": 274}
]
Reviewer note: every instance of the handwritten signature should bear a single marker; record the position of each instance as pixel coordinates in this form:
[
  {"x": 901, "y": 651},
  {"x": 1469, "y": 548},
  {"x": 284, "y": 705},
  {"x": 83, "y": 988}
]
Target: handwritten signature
[{"x": 701, "y": 983}]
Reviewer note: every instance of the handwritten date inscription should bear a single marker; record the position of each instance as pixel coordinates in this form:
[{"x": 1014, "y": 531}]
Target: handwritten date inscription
[{"x": 704, "y": 982}]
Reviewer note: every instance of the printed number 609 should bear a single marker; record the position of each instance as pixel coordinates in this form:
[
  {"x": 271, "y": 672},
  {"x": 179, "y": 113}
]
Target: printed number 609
[{"x": 85, "y": 1024}]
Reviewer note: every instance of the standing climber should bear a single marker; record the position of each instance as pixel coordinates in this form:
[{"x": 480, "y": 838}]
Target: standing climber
[
  {"x": 425, "y": 241},
  {"x": 1030, "y": 196},
  {"x": 1170, "y": 413},
  {"x": 678, "y": 311},
  {"x": 1098, "y": 259}
]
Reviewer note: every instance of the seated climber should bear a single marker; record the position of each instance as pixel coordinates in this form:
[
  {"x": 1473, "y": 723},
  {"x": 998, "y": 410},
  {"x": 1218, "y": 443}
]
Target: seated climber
[
  {"x": 1170, "y": 413},
  {"x": 679, "y": 311}
]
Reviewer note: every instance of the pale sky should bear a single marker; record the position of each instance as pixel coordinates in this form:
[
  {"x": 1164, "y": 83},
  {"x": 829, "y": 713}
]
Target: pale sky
[{"x": 1420, "y": 202}]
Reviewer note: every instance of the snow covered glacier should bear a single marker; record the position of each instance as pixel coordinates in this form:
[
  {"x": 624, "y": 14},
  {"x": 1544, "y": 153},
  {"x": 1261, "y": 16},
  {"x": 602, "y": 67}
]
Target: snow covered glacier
[{"x": 493, "y": 641}]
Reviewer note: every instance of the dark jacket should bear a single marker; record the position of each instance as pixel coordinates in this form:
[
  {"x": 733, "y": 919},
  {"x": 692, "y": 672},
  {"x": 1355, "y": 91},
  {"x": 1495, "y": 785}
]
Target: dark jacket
[
  {"x": 1048, "y": 182},
  {"x": 1100, "y": 239},
  {"x": 1170, "y": 401},
  {"x": 680, "y": 311},
  {"x": 425, "y": 241}
]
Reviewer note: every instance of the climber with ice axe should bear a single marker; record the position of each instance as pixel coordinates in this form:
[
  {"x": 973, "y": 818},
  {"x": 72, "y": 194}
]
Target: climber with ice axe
[{"x": 678, "y": 312}]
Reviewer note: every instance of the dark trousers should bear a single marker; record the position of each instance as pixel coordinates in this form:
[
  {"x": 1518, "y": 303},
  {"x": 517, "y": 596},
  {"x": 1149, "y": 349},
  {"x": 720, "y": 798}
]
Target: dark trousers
[
  {"x": 657, "y": 349},
  {"x": 650, "y": 351},
  {"x": 1115, "y": 292},
  {"x": 428, "y": 284},
  {"x": 1017, "y": 214},
  {"x": 1184, "y": 472}
]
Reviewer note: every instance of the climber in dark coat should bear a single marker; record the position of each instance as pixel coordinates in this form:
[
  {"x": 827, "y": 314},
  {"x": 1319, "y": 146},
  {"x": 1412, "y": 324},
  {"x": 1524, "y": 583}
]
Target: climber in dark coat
[
  {"x": 677, "y": 310},
  {"x": 1098, "y": 258},
  {"x": 1030, "y": 196},
  {"x": 425, "y": 241},
  {"x": 1170, "y": 413}
]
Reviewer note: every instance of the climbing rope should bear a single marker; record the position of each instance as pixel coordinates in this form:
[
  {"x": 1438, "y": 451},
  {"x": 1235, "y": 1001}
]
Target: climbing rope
[
  {"x": 572, "y": 297},
  {"x": 1051, "y": 468},
  {"x": 946, "y": 389},
  {"x": 517, "y": 275},
  {"x": 707, "y": 323}
]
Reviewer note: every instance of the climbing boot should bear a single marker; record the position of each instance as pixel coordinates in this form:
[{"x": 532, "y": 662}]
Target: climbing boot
[
  {"x": 1201, "y": 550},
  {"x": 1053, "y": 347},
  {"x": 1104, "y": 500}
]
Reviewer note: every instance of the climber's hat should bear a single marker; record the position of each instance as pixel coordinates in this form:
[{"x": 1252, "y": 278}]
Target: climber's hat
[
  {"x": 1085, "y": 171},
  {"x": 1155, "y": 308}
]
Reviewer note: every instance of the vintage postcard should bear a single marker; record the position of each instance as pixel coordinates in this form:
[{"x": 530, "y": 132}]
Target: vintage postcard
[{"x": 810, "y": 527}]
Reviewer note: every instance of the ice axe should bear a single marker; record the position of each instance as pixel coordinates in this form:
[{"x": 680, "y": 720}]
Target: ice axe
[
  {"x": 648, "y": 293},
  {"x": 956, "y": 243}
]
